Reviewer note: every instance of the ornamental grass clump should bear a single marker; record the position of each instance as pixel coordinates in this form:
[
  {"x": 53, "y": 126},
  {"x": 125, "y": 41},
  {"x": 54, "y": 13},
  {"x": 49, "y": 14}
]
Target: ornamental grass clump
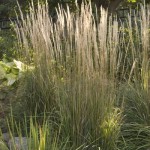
[
  {"x": 134, "y": 44},
  {"x": 74, "y": 80},
  {"x": 136, "y": 127},
  {"x": 135, "y": 92},
  {"x": 81, "y": 62}
]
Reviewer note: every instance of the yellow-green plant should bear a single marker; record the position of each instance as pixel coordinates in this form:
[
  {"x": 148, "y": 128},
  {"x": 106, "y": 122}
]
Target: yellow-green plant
[{"x": 33, "y": 134}]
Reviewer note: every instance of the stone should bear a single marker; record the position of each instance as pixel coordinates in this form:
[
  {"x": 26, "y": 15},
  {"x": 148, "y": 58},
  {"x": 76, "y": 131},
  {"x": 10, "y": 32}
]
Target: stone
[
  {"x": 18, "y": 143},
  {"x": 6, "y": 137}
]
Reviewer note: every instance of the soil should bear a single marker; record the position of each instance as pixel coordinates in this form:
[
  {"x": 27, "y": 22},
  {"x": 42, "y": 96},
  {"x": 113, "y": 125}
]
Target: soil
[{"x": 7, "y": 96}]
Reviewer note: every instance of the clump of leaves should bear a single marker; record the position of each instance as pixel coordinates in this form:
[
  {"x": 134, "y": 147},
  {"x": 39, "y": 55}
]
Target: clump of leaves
[{"x": 11, "y": 71}]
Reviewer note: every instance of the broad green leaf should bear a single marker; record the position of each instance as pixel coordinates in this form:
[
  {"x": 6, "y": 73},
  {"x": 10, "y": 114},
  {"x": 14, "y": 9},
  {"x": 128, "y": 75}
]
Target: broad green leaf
[
  {"x": 12, "y": 71},
  {"x": 11, "y": 79},
  {"x": 15, "y": 70},
  {"x": 132, "y": 1},
  {"x": 21, "y": 66},
  {"x": 10, "y": 64},
  {"x": 5, "y": 66}
]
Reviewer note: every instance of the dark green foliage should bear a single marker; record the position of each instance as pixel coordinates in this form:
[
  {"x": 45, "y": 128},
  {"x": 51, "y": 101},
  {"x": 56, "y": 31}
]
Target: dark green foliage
[
  {"x": 136, "y": 127},
  {"x": 8, "y": 44},
  {"x": 7, "y": 7}
]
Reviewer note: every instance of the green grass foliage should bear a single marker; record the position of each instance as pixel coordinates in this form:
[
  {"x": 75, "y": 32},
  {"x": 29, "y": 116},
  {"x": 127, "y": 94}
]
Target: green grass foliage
[{"x": 90, "y": 79}]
